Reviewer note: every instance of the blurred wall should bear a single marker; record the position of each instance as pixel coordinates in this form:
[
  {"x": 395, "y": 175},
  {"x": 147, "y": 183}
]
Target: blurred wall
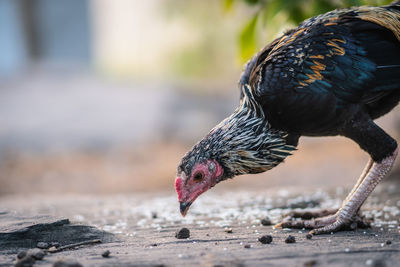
[
  {"x": 63, "y": 30},
  {"x": 13, "y": 47},
  {"x": 52, "y": 32},
  {"x": 132, "y": 36}
]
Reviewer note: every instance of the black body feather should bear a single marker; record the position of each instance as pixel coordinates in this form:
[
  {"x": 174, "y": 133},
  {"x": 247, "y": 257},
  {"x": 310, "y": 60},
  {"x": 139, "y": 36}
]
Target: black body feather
[{"x": 333, "y": 75}]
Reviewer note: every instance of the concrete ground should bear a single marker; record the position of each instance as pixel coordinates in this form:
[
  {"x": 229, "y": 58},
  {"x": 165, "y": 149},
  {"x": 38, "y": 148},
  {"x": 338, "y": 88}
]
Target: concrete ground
[{"x": 140, "y": 229}]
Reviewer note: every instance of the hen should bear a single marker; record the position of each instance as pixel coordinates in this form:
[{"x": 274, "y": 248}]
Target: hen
[{"x": 333, "y": 75}]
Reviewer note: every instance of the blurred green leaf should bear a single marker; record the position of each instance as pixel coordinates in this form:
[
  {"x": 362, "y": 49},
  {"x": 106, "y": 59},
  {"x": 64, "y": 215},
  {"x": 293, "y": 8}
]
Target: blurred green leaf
[
  {"x": 272, "y": 9},
  {"x": 252, "y": 2},
  {"x": 247, "y": 39},
  {"x": 227, "y": 5},
  {"x": 296, "y": 11}
]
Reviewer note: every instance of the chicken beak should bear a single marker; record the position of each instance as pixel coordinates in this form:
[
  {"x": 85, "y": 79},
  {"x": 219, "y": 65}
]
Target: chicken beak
[{"x": 184, "y": 207}]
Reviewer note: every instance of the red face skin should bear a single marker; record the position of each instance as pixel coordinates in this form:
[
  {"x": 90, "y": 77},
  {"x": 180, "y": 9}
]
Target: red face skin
[{"x": 204, "y": 176}]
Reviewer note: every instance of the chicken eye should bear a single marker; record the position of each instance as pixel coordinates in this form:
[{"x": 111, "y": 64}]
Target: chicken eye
[{"x": 198, "y": 177}]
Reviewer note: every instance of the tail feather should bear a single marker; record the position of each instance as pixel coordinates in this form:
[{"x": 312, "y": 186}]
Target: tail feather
[{"x": 387, "y": 16}]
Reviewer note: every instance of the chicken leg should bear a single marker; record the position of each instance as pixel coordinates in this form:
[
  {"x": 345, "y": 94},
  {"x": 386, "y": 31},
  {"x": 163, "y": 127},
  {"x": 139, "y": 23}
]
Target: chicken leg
[
  {"x": 374, "y": 173},
  {"x": 325, "y": 212}
]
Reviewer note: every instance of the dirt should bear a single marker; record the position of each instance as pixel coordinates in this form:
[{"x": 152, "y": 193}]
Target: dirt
[{"x": 125, "y": 226}]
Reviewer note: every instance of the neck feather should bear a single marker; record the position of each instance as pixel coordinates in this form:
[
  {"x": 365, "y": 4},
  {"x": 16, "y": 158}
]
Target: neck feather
[{"x": 245, "y": 142}]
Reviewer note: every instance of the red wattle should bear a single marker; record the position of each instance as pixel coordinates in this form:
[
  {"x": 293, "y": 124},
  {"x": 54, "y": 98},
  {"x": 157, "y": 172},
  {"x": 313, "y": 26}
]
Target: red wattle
[{"x": 178, "y": 187}]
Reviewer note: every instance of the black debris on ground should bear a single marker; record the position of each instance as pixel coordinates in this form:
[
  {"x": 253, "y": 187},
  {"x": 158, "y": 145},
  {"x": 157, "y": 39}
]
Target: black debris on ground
[
  {"x": 265, "y": 239},
  {"x": 106, "y": 254},
  {"x": 309, "y": 236},
  {"x": 183, "y": 233},
  {"x": 290, "y": 239},
  {"x": 388, "y": 242},
  {"x": 266, "y": 221},
  {"x": 247, "y": 246}
]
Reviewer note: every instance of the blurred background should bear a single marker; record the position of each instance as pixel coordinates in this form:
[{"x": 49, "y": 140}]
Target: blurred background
[{"x": 106, "y": 96}]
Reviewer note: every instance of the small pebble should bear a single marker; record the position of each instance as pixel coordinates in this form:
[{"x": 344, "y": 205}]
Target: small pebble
[
  {"x": 106, "y": 254},
  {"x": 183, "y": 233},
  {"x": 247, "y": 246},
  {"x": 52, "y": 249},
  {"x": 347, "y": 250},
  {"x": 265, "y": 239},
  {"x": 388, "y": 242},
  {"x": 42, "y": 245},
  {"x": 228, "y": 230},
  {"x": 55, "y": 244},
  {"x": 21, "y": 254},
  {"x": 309, "y": 236},
  {"x": 290, "y": 239},
  {"x": 266, "y": 221}
]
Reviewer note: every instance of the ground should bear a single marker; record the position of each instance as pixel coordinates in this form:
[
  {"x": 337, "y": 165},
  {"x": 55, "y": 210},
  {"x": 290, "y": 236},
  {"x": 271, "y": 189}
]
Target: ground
[{"x": 140, "y": 229}]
